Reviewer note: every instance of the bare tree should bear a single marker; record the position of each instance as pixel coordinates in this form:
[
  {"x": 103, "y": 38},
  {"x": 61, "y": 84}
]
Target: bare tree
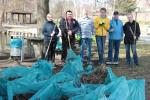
[
  {"x": 2, "y": 13},
  {"x": 42, "y": 10},
  {"x": 75, "y": 8}
]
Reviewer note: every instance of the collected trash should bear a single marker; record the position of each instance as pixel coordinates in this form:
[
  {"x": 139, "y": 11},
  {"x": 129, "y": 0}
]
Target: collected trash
[
  {"x": 71, "y": 82},
  {"x": 96, "y": 76}
]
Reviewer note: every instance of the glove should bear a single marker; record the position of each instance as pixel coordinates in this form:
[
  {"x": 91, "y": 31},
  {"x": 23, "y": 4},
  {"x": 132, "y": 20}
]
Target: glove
[
  {"x": 102, "y": 23},
  {"x": 52, "y": 34}
]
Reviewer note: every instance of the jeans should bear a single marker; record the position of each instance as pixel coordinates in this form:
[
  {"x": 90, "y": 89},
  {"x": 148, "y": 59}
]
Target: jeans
[
  {"x": 128, "y": 57},
  {"x": 113, "y": 45},
  {"x": 86, "y": 43},
  {"x": 100, "y": 40}
]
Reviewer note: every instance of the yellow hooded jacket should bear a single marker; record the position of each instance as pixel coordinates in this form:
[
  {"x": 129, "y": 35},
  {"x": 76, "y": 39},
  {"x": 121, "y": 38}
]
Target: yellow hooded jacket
[{"x": 101, "y": 30}]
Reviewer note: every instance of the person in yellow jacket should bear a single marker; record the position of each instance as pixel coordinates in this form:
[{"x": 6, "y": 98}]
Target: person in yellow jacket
[{"x": 101, "y": 24}]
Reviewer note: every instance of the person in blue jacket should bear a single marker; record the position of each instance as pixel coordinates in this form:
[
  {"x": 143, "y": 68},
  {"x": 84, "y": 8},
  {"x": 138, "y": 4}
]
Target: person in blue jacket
[
  {"x": 115, "y": 37},
  {"x": 50, "y": 31}
]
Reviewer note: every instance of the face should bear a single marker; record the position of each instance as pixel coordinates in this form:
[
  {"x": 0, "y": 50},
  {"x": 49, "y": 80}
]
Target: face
[
  {"x": 69, "y": 15},
  {"x": 103, "y": 13},
  {"x": 116, "y": 16},
  {"x": 130, "y": 17},
  {"x": 49, "y": 17},
  {"x": 85, "y": 13}
]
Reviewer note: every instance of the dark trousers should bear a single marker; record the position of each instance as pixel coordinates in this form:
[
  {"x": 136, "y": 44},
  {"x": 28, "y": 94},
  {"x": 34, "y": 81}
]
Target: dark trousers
[
  {"x": 128, "y": 57},
  {"x": 65, "y": 46},
  {"x": 51, "y": 52},
  {"x": 114, "y": 45}
]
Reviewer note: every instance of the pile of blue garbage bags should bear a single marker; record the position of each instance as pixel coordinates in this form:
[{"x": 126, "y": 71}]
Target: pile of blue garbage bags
[{"x": 40, "y": 81}]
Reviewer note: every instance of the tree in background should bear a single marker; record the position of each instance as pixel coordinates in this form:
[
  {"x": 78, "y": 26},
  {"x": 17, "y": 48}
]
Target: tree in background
[
  {"x": 125, "y": 6},
  {"x": 42, "y": 11}
]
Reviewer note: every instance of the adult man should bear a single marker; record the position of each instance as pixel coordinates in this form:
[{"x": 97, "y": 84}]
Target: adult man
[
  {"x": 132, "y": 33},
  {"x": 115, "y": 37},
  {"x": 87, "y": 30},
  {"x": 69, "y": 27},
  {"x": 50, "y": 31},
  {"x": 102, "y": 25}
]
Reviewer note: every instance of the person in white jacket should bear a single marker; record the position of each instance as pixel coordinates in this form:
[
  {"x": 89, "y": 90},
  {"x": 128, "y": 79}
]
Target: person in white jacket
[{"x": 87, "y": 30}]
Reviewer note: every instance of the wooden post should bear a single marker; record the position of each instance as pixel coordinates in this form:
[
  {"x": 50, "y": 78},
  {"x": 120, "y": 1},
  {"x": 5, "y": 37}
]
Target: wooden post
[
  {"x": 23, "y": 18},
  {"x": 12, "y": 17},
  {"x": 18, "y": 17},
  {"x": 30, "y": 18},
  {"x": 5, "y": 19}
]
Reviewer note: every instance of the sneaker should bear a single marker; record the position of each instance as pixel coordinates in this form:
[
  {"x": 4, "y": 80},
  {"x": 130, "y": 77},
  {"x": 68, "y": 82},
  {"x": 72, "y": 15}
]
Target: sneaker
[
  {"x": 116, "y": 63},
  {"x": 109, "y": 63},
  {"x": 137, "y": 64}
]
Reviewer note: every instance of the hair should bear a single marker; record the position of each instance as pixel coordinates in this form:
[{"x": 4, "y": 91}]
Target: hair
[
  {"x": 68, "y": 11},
  {"x": 104, "y": 9},
  {"x": 129, "y": 14},
  {"x": 116, "y": 13},
  {"x": 49, "y": 14}
]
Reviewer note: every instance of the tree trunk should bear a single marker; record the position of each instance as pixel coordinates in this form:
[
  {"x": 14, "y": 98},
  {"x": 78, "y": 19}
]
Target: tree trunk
[{"x": 42, "y": 11}]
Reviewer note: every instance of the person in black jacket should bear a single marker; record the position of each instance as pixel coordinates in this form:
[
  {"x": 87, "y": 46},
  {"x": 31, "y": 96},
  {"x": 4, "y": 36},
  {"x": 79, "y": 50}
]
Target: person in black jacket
[
  {"x": 50, "y": 31},
  {"x": 69, "y": 27},
  {"x": 132, "y": 33}
]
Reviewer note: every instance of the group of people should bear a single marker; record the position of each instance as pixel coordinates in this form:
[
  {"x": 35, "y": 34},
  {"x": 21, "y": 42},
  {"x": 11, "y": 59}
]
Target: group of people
[{"x": 100, "y": 27}]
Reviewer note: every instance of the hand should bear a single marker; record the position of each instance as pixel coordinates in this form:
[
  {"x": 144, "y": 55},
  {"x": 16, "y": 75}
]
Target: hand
[
  {"x": 59, "y": 34},
  {"x": 135, "y": 37},
  {"x": 52, "y": 34},
  {"x": 111, "y": 30},
  {"x": 102, "y": 23},
  {"x": 69, "y": 32}
]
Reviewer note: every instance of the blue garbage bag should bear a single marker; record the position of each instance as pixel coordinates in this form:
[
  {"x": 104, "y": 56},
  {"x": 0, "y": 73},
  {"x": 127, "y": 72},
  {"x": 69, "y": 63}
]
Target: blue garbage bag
[
  {"x": 1, "y": 98},
  {"x": 110, "y": 76},
  {"x": 93, "y": 95},
  {"x": 73, "y": 64},
  {"x": 51, "y": 92},
  {"x": 137, "y": 89},
  {"x": 9, "y": 74},
  {"x": 16, "y": 43},
  {"x": 118, "y": 89},
  {"x": 14, "y": 72},
  {"x": 88, "y": 70},
  {"x": 44, "y": 67},
  {"x": 32, "y": 82},
  {"x": 60, "y": 77},
  {"x": 3, "y": 87},
  {"x": 70, "y": 89}
]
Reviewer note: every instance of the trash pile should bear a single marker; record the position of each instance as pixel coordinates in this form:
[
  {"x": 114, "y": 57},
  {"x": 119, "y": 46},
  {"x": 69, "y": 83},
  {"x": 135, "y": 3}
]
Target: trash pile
[{"x": 67, "y": 84}]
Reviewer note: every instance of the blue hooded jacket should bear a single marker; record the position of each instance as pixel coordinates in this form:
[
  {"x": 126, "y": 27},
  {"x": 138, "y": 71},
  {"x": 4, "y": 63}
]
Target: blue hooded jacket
[{"x": 117, "y": 34}]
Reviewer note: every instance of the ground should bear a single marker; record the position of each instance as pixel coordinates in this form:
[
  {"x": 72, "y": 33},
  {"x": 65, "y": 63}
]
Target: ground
[{"x": 131, "y": 72}]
